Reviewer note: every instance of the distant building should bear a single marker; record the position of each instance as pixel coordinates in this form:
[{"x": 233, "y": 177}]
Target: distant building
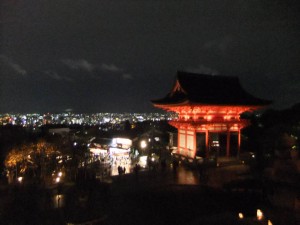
[
  {"x": 120, "y": 147},
  {"x": 113, "y": 147},
  {"x": 209, "y": 109}
]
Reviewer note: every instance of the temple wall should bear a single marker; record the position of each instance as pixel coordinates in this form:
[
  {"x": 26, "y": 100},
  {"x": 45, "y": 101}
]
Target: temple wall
[{"x": 186, "y": 142}]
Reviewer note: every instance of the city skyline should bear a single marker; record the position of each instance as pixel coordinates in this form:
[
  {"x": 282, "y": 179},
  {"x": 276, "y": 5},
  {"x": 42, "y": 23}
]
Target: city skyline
[
  {"x": 117, "y": 56},
  {"x": 91, "y": 119}
]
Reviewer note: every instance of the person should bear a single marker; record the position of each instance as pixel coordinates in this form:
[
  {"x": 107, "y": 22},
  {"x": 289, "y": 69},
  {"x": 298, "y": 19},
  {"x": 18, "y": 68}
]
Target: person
[
  {"x": 136, "y": 169},
  {"x": 175, "y": 165},
  {"x": 124, "y": 170},
  {"x": 120, "y": 170}
]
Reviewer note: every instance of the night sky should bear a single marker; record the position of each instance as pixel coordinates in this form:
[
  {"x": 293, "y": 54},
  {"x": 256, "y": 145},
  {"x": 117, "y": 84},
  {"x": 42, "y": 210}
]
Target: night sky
[{"x": 116, "y": 55}]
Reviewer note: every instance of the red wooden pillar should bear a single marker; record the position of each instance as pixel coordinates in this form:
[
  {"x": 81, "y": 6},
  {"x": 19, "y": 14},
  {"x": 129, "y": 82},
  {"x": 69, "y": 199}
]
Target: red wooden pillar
[
  {"x": 185, "y": 143},
  {"x": 195, "y": 144},
  {"x": 239, "y": 142},
  {"x": 178, "y": 141},
  {"x": 206, "y": 143},
  {"x": 228, "y": 142}
]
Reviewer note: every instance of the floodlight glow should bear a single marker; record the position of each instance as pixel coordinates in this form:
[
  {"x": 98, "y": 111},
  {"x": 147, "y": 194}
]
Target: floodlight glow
[
  {"x": 143, "y": 161},
  {"x": 20, "y": 179},
  {"x": 121, "y": 143},
  {"x": 209, "y": 118},
  {"x": 143, "y": 144}
]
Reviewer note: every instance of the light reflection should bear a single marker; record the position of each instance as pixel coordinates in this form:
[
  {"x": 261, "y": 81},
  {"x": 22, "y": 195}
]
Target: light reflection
[
  {"x": 58, "y": 200},
  {"x": 186, "y": 177}
]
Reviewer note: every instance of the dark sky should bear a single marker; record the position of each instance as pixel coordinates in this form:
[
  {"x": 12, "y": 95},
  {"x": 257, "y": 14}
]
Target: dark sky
[{"x": 117, "y": 55}]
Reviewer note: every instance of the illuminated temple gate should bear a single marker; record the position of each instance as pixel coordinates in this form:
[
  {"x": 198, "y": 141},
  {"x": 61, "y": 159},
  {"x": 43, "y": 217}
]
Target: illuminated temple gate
[{"x": 208, "y": 107}]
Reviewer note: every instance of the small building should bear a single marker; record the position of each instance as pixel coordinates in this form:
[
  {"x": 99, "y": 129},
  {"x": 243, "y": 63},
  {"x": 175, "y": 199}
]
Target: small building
[
  {"x": 209, "y": 109},
  {"x": 99, "y": 151},
  {"x": 120, "y": 147}
]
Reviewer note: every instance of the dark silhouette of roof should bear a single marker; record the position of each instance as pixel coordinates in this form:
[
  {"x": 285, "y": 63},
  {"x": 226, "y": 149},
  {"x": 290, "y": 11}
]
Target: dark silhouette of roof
[{"x": 192, "y": 88}]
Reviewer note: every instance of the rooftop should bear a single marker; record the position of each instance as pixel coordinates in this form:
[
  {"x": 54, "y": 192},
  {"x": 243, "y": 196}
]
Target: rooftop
[{"x": 192, "y": 88}]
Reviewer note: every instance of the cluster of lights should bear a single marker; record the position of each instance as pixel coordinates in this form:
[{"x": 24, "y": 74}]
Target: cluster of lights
[
  {"x": 259, "y": 216},
  {"x": 210, "y": 117},
  {"x": 87, "y": 119},
  {"x": 59, "y": 177}
]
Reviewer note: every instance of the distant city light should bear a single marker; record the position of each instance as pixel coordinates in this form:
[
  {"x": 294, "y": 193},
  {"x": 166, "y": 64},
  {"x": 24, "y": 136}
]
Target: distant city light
[{"x": 37, "y": 120}]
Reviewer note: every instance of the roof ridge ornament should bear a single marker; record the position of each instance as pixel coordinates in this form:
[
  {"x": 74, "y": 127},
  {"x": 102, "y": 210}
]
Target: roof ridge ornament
[{"x": 177, "y": 88}]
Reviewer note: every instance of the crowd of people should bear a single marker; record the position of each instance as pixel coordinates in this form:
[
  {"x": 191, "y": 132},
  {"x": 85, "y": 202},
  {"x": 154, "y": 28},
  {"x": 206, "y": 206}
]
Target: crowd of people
[{"x": 120, "y": 165}]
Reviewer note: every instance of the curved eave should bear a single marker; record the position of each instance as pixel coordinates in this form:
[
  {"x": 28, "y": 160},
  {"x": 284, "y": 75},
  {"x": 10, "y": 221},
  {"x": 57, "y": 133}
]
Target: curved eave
[
  {"x": 169, "y": 106},
  {"x": 255, "y": 106},
  {"x": 166, "y": 105}
]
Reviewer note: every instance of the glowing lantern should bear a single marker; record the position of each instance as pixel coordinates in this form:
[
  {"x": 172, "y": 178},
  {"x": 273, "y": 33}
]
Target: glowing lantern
[
  {"x": 241, "y": 216},
  {"x": 259, "y": 214}
]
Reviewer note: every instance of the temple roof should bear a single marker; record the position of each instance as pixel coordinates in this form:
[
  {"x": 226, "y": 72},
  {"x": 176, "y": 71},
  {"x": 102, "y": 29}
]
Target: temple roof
[{"x": 192, "y": 88}]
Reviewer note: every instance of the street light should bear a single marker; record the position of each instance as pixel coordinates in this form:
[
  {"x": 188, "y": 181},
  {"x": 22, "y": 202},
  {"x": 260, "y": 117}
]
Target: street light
[
  {"x": 143, "y": 144},
  {"x": 20, "y": 179}
]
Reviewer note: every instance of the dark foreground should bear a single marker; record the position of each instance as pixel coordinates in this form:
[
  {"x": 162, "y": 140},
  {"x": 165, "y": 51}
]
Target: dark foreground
[{"x": 153, "y": 197}]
